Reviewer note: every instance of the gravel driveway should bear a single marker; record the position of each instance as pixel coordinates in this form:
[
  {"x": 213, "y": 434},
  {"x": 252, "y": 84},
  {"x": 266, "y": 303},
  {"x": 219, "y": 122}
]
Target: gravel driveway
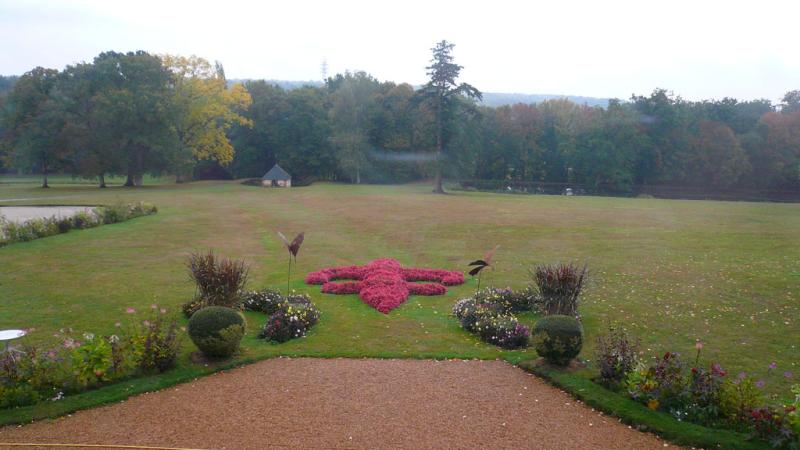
[{"x": 348, "y": 403}]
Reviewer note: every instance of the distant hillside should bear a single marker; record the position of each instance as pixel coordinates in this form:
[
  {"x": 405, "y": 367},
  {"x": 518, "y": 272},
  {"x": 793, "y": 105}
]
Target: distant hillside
[
  {"x": 285, "y": 84},
  {"x": 492, "y": 99},
  {"x": 495, "y": 99}
]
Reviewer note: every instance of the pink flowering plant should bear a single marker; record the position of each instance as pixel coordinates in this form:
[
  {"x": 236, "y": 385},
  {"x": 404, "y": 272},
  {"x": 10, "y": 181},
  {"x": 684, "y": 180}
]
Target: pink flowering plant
[
  {"x": 144, "y": 345},
  {"x": 710, "y": 396},
  {"x": 383, "y": 283}
]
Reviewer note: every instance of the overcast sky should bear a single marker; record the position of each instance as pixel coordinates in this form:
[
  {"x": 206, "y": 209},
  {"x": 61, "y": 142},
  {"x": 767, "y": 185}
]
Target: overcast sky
[{"x": 698, "y": 49}]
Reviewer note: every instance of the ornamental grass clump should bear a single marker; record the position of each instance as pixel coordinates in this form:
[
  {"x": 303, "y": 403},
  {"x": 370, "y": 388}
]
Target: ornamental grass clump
[
  {"x": 219, "y": 281},
  {"x": 217, "y": 331},
  {"x": 559, "y": 287}
]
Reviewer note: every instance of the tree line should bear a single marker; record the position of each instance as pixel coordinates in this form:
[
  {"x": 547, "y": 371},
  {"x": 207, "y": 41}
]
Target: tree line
[
  {"x": 122, "y": 114},
  {"x": 135, "y": 113}
]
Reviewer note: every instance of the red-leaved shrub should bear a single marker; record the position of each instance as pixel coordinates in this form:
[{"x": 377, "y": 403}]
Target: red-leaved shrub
[{"x": 383, "y": 283}]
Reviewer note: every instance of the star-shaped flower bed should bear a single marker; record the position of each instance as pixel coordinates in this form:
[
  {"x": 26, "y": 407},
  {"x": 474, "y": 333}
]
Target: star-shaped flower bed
[{"x": 383, "y": 283}]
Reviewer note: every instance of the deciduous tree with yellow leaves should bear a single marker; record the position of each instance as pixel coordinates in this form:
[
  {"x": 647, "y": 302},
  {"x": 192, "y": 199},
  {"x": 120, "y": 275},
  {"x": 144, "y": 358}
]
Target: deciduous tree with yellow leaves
[{"x": 206, "y": 108}]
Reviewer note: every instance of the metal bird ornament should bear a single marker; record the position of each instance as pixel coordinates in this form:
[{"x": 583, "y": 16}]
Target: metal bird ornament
[
  {"x": 293, "y": 248},
  {"x": 481, "y": 264}
]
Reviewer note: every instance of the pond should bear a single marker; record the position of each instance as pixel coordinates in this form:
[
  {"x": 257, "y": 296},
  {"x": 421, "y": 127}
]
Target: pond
[{"x": 22, "y": 213}]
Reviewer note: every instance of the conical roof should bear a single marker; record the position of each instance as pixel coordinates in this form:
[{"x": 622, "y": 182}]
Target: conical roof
[{"x": 276, "y": 173}]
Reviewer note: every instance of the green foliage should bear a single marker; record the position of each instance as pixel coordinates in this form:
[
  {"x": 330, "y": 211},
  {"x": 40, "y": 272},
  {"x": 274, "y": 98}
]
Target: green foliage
[
  {"x": 219, "y": 281},
  {"x": 156, "y": 342},
  {"x": 445, "y": 98},
  {"x": 489, "y": 315},
  {"x": 34, "y": 374},
  {"x": 793, "y": 417},
  {"x": 217, "y": 331},
  {"x": 82, "y": 220},
  {"x": 635, "y": 414},
  {"x": 558, "y": 338},
  {"x": 292, "y": 318},
  {"x": 738, "y": 397},
  {"x": 34, "y": 122},
  {"x": 121, "y": 212},
  {"x": 11, "y": 232},
  {"x": 617, "y": 354},
  {"x": 99, "y": 269},
  {"x": 266, "y": 301},
  {"x": 508, "y": 299}
]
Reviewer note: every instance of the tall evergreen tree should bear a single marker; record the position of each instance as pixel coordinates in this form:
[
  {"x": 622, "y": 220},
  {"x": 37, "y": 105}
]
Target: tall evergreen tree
[{"x": 442, "y": 92}]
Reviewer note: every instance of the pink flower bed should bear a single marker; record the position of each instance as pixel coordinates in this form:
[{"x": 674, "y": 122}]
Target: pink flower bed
[{"x": 383, "y": 283}]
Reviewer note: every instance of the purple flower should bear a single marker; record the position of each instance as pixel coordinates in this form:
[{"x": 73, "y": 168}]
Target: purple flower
[
  {"x": 130, "y": 311},
  {"x": 760, "y": 384},
  {"x": 741, "y": 376},
  {"x": 772, "y": 366},
  {"x": 787, "y": 374}
]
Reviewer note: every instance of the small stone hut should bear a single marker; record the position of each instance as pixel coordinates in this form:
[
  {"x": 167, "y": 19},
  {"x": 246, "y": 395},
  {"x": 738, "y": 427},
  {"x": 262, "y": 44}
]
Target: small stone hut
[{"x": 276, "y": 177}]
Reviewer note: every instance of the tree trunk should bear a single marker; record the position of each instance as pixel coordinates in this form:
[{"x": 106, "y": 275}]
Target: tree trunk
[
  {"x": 129, "y": 179},
  {"x": 358, "y": 174},
  {"x": 437, "y": 186},
  {"x": 137, "y": 179},
  {"x": 44, "y": 172},
  {"x": 102, "y": 180}
]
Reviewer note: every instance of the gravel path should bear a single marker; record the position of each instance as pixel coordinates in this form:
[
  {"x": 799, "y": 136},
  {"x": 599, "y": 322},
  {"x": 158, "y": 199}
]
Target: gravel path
[{"x": 348, "y": 403}]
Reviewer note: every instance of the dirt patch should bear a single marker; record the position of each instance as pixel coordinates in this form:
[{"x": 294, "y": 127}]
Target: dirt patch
[{"x": 348, "y": 403}]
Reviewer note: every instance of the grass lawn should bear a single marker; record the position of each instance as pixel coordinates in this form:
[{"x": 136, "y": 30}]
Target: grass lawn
[{"x": 673, "y": 272}]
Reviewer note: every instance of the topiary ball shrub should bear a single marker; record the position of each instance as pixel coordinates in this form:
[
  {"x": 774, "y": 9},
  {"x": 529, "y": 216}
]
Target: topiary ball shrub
[
  {"x": 217, "y": 331},
  {"x": 558, "y": 338}
]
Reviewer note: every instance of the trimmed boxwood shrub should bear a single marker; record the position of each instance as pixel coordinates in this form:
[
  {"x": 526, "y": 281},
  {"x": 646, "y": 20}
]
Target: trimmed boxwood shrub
[
  {"x": 217, "y": 330},
  {"x": 558, "y": 338}
]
